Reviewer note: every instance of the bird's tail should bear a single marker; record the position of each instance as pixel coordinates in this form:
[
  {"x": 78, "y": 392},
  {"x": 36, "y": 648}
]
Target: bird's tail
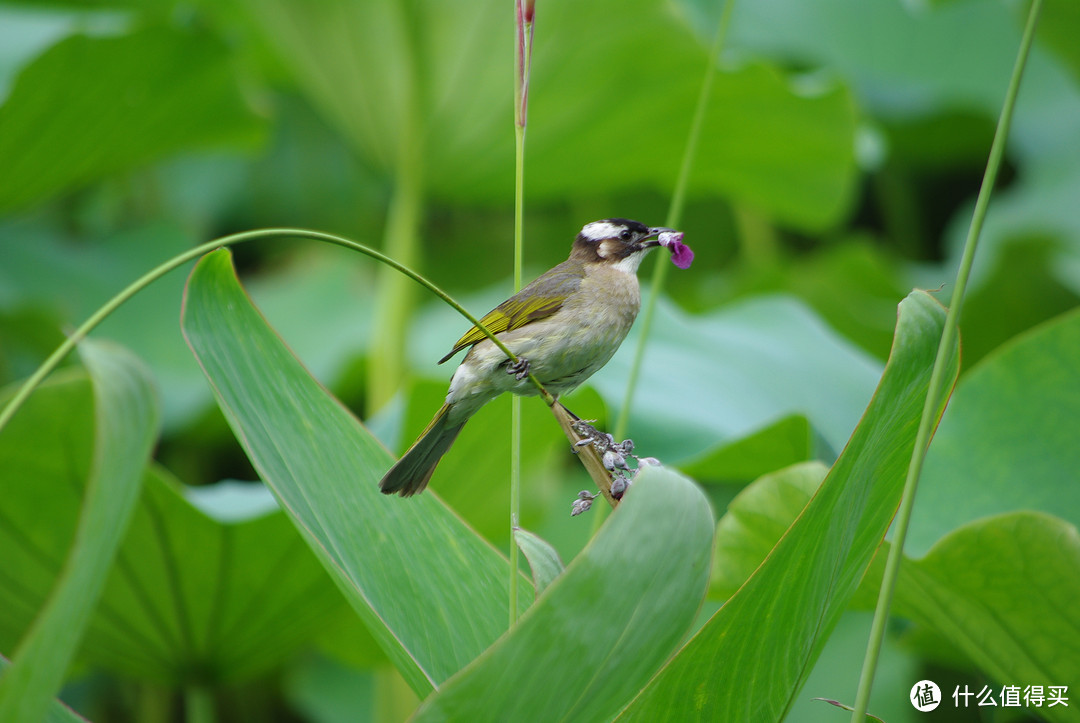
[{"x": 412, "y": 472}]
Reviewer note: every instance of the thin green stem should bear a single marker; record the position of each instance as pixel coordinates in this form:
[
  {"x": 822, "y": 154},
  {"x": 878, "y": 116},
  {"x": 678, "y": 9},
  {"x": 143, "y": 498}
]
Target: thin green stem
[
  {"x": 678, "y": 203},
  {"x": 515, "y": 401},
  {"x": 935, "y": 395},
  {"x": 515, "y": 500},
  {"x": 146, "y": 279},
  {"x": 522, "y": 64},
  {"x": 198, "y": 705}
]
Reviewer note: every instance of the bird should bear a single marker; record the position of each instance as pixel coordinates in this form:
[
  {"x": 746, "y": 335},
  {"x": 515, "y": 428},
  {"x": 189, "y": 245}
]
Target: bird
[{"x": 563, "y": 327}]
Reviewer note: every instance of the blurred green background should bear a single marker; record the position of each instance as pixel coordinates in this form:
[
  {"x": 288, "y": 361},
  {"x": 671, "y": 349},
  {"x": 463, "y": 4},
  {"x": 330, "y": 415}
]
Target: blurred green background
[{"x": 840, "y": 157}]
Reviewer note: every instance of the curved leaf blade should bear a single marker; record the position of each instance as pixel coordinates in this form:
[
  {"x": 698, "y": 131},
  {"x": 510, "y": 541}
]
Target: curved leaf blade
[
  {"x": 543, "y": 559},
  {"x": 606, "y": 624},
  {"x": 57, "y": 712},
  {"x": 431, "y": 591},
  {"x": 127, "y": 419},
  {"x": 756, "y": 519},
  {"x": 774, "y": 627}
]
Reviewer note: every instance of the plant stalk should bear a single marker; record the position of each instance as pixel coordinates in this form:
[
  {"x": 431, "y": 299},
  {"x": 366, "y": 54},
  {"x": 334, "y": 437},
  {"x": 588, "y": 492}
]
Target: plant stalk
[
  {"x": 157, "y": 272},
  {"x": 588, "y": 454},
  {"x": 936, "y": 391},
  {"x": 198, "y": 705},
  {"x": 523, "y": 14},
  {"x": 515, "y": 400}
]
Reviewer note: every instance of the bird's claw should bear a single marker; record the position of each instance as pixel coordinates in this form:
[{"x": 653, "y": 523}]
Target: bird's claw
[{"x": 519, "y": 368}]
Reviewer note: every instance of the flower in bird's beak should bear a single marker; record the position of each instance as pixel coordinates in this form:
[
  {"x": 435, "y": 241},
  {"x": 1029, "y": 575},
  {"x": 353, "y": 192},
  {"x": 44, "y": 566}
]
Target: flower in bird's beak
[{"x": 681, "y": 254}]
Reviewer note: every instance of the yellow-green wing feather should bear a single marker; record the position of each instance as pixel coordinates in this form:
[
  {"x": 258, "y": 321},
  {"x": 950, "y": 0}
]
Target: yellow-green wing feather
[{"x": 539, "y": 300}]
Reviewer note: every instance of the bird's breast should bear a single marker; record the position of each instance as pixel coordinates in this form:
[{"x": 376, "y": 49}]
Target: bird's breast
[
  {"x": 610, "y": 296},
  {"x": 588, "y": 329}
]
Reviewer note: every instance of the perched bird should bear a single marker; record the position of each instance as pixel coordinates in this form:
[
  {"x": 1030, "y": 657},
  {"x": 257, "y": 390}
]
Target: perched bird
[{"x": 563, "y": 327}]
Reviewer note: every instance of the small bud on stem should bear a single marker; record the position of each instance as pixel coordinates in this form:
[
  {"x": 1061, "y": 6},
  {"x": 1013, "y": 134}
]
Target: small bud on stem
[{"x": 525, "y": 13}]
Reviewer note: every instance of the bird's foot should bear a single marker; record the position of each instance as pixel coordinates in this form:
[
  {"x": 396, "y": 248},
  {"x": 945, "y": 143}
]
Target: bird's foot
[{"x": 520, "y": 368}]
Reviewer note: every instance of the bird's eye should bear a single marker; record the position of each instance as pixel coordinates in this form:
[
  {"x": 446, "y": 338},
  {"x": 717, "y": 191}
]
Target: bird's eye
[{"x": 626, "y": 235}]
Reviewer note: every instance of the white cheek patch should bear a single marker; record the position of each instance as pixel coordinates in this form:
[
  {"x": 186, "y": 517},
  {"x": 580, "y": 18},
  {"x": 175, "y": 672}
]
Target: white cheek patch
[
  {"x": 607, "y": 248},
  {"x": 600, "y": 230}
]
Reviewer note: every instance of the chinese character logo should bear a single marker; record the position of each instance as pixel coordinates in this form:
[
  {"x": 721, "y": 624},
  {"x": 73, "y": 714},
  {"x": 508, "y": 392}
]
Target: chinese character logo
[{"x": 925, "y": 696}]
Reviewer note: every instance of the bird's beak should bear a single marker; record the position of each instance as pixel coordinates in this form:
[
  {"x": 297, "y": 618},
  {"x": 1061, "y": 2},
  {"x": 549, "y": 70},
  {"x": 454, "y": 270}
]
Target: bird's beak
[{"x": 651, "y": 240}]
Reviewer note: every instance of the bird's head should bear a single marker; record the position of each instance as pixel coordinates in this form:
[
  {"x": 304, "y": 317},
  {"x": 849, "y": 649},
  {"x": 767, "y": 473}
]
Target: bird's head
[{"x": 619, "y": 242}]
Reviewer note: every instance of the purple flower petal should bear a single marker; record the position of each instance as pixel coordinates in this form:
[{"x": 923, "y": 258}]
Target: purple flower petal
[{"x": 681, "y": 254}]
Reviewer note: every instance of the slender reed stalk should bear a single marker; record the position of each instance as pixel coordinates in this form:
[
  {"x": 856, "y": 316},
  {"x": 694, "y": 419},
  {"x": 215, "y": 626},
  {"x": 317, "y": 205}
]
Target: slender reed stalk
[
  {"x": 934, "y": 394},
  {"x": 524, "y": 11}
]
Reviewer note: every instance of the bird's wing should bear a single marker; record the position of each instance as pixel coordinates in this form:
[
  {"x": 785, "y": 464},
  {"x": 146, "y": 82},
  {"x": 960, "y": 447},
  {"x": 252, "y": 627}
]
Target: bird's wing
[{"x": 539, "y": 300}]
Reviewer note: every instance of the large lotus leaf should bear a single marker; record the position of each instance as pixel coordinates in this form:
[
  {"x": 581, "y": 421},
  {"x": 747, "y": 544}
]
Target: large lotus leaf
[
  {"x": 613, "y": 89},
  {"x": 49, "y": 440},
  {"x": 1002, "y": 590},
  {"x": 92, "y": 106},
  {"x": 195, "y": 598},
  {"x": 189, "y": 595}
]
